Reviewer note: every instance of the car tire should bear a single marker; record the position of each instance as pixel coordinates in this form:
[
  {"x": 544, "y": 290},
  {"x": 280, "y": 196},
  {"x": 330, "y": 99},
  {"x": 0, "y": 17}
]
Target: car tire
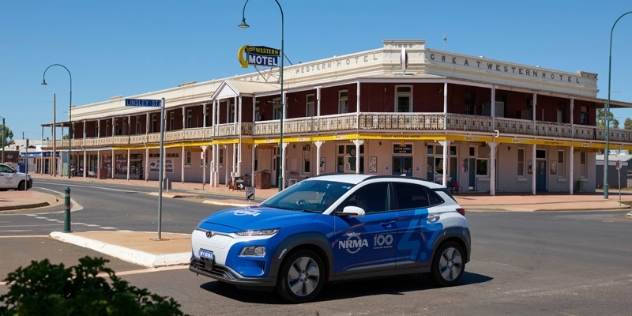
[
  {"x": 21, "y": 186},
  {"x": 302, "y": 276},
  {"x": 448, "y": 264}
]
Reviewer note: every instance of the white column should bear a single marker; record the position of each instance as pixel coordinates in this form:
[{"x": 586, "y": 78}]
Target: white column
[
  {"x": 535, "y": 114},
  {"x": 203, "y": 158},
  {"x": 85, "y": 163},
  {"x": 203, "y": 114},
  {"x": 572, "y": 114},
  {"x": 318, "y": 112},
  {"x": 357, "y": 143},
  {"x": 492, "y": 169},
  {"x": 83, "y": 141},
  {"x": 234, "y": 160},
  {"x": 445, "y": 144},
  {"x": 493, "y": 108},
  {"x": 445, "y": 98},
  {"x": 146, "y": 171},
  {"x": 226, "y": 177},
  {"x": 98, "y": 162},
  {"x": 112, "y": 161},
  {"x": 252, "y": 167},
  {"x": 571, "y": 162},
  {"x": 533, "y": 169},
  {"x": 182, "y": 165},
  {"x": 318, "y": 144},
  {"x": 128, "y": 164},
  {"x": 239, "y": 122},
  {"x": 211, "y": 171}
]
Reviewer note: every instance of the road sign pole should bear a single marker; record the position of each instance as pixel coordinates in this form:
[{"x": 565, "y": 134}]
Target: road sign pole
[{"x": 162, "y": 164}]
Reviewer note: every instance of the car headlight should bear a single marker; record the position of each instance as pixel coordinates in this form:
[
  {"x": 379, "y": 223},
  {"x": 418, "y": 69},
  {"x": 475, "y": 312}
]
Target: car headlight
[
  {"x": 258, "y": 232},
  {"x": 253, "y": 251}
]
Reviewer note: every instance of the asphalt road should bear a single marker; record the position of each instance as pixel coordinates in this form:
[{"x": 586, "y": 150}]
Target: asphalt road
[{"x": 544, "y": 263}]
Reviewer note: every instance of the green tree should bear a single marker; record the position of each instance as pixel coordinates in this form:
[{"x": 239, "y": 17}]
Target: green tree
[
  {"x": 49, "y": 289},
  {"x": 628, "y": 123},
  {"x": 7, "y": 134},
  {"x": 614, "y": 123}
]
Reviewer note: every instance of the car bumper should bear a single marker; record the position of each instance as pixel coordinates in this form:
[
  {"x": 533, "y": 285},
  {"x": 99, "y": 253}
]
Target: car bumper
[{"x": 228, "y": 275}]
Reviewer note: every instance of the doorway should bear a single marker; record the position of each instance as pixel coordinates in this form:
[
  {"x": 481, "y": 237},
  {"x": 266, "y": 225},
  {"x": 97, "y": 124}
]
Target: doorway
[
  {"x": 540, "y": 177},
  {"x": 402, "y": 165}
]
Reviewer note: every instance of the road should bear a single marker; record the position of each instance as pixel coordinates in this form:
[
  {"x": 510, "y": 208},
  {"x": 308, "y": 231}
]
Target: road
[{"x": 544, "y": 263}]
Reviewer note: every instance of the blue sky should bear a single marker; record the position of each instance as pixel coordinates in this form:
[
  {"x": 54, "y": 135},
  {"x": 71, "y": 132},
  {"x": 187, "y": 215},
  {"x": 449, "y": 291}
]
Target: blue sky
[{"x": 131, "y": 47}]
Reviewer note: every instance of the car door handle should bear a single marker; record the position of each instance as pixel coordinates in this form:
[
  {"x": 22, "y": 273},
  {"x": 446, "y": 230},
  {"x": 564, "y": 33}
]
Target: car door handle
[{"x": 388, "y": 224}]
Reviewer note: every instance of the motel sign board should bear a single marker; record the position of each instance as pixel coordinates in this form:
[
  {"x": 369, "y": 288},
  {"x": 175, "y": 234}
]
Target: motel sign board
[{"x": 258, "y": 56}]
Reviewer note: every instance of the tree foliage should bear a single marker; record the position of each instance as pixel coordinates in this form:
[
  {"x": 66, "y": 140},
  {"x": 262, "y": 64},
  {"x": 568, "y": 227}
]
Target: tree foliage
[
  {"x": 601, "y": 119},
  {"x": 627, "y": 124},
  {"x": 7, "y": 134},
  {"x": 43, "y": 288}
]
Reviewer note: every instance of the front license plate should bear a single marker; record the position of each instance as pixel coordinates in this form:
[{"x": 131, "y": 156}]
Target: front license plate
[{"x": 206, "y": 255}]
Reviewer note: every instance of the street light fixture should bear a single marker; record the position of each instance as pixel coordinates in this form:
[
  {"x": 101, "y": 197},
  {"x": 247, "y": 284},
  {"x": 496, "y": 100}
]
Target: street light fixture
[
  {"x": 244, "y": 25},
  {"x": 607, "y": 114},
  {"x": 69, "y": 115}
]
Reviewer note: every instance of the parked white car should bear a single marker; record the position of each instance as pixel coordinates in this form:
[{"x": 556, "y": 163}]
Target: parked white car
[{"x": 12, "y": 179}]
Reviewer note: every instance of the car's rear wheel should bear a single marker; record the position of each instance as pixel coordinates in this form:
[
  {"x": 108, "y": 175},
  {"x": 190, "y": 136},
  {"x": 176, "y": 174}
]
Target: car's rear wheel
[
  {"x": 302, "y": 276},
  {"x": 448, "y": 264}
]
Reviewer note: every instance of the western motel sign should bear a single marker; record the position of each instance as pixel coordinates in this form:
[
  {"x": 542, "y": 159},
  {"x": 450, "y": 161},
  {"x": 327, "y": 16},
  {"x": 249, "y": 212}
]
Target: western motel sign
[{"x": 258, "y": 56}]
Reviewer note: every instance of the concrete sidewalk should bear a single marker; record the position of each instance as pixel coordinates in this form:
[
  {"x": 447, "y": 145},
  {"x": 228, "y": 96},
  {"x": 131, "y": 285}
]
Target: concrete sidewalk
[{"x": 146, "y": 249}]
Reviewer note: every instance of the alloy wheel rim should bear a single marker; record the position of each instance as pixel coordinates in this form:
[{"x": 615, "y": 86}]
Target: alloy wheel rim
[
  {"x": 450, "y": 264},
  {"x": 303, "y": 276}
]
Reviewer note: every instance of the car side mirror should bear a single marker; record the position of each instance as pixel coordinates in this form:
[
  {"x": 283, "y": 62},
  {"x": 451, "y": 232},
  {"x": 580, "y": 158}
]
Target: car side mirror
[{"x": 351, "y": 211}]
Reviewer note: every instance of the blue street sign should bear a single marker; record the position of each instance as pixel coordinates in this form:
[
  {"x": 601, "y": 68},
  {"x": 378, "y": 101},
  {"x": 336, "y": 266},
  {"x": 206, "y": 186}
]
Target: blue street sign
[{"x": 141, "y": 102}]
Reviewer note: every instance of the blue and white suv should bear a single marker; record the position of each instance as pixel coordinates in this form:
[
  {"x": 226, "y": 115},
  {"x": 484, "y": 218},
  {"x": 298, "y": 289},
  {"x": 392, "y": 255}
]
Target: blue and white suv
[{"x": 335, "y": 228}]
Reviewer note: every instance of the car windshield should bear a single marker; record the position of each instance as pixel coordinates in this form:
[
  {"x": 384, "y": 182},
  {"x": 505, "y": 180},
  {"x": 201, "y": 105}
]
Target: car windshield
[{"x": 309, "y": 196}]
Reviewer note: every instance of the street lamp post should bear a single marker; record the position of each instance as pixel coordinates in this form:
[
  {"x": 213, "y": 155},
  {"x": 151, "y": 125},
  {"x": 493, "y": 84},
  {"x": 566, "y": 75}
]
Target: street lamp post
[
  {"x": 244, "y": 25},
  {"x": 607, "y": 121},
  {"x": 69, "y": 115},
  {"x": 3, "y": 133}
]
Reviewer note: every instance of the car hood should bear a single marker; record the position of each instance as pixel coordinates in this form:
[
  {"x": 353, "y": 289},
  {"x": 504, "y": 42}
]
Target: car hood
[{"x": 251, "y": 218}]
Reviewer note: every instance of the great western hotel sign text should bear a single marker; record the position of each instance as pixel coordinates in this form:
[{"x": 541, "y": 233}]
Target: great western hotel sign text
[
  {"x": 259, "y": 56},
  {"x": 503, "y": 68}
]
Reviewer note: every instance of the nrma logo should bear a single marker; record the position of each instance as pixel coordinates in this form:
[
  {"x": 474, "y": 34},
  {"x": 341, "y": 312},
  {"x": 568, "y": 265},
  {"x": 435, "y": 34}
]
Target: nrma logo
[{"x": 353, "y": 243}]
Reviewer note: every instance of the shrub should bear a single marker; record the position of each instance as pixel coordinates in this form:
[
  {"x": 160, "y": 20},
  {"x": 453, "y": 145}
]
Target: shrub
[{"x": 43, "y": 288}]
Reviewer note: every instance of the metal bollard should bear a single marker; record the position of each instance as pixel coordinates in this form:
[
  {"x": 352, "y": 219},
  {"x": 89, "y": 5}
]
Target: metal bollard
[{"x": 67, "y": 211}]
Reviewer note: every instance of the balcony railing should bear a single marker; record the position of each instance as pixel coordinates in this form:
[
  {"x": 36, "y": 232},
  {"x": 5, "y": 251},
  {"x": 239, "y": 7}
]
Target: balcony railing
[{"x": 384, "y": 122}]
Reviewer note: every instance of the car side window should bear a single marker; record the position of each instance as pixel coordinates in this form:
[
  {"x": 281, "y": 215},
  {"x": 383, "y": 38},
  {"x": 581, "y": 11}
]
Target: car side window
[
  {"x": 372, "y": 198},
  {"x": 410, "y": 196}
]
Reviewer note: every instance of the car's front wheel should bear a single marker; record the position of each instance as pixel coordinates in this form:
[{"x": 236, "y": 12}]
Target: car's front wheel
[
  {"x": 301, "y": 277},
  {"x": 448, "y": 264},
  {"x": 21, "y": 185}
]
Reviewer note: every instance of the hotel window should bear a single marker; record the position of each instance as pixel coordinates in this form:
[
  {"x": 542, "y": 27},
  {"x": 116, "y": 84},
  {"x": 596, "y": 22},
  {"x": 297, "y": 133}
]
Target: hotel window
[
  {"x": 343, "y": 102},
  {"x": 257, "y": 113},
  {"x": 189, "y": 119},
  {"x": 107, "y": 128},
  {"x": 154, "y": 124},
  {"x": 307, "y": 165},
  {"x": 115, "y": 124},
  {"x": 231, "y": 112},
  {"x": 276, "y": 109},
  {"x": 138, "y": 125},
  {"x": 188, "y": 158},
  {"x": 124, "y": 127},
  {"x": 96, "y": 129},
  {"x": 470, "y": 102},
  {"x": 583, "y": 115},
  {"x": 347, "y": 158},
  {"x": 310, "y": 105},
  {"x": 207, "y": 116},
  {"x": 521, "y": 164},
  {"x": 561, "y": 112},
  {"x": 403, "y": 99},
  {"x": 172, "y": 121},
  {"x": 560, "y": 164}
]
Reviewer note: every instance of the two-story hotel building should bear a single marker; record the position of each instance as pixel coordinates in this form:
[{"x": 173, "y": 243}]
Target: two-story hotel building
[{"x": 467, "y": 122}]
